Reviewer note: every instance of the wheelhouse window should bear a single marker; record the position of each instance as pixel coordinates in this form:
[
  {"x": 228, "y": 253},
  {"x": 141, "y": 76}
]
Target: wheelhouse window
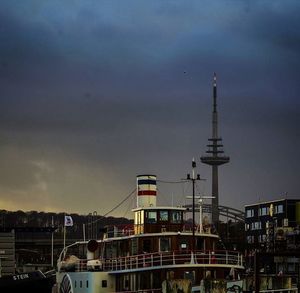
[
  {"x": 164, "y": 244},
  {"x": 176, "y": 217},
  {"x": 139, "y": 217},
  {"x": 151, "y": 217},
  {"x": 163, "y": 216}
]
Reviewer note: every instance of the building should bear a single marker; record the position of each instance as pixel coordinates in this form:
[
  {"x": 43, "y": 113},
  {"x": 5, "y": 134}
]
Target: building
[
  {"x": 273, "y": 225},
  {"x": 7, "y": 252}
]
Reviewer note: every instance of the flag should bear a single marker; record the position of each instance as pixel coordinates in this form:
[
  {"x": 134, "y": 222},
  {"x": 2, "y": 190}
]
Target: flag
[{"x": 68, "y": 221}]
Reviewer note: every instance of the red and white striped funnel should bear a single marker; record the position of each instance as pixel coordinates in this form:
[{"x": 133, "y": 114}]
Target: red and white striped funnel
[{"x": 146, "y": 190}]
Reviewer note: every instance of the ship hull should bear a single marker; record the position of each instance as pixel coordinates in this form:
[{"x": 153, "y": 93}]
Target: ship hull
[{"x": 34, "y": 282}]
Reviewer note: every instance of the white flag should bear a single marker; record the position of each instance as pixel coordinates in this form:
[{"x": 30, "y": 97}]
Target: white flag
[{"x": 68, "y": 221}]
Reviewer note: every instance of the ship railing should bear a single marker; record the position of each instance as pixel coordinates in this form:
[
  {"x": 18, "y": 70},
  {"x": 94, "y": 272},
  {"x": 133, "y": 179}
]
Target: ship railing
[
  {"x": 142, "y": 291},
  {"x": 161, "y": 259},
  {"x": 128, "y": 230},
  {"x": 286, "y": 290}
]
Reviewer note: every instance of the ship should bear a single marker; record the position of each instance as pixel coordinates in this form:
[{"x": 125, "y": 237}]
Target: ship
[
  {"x": 33, "y": 282},
  {"x": 159, "y": 252}
]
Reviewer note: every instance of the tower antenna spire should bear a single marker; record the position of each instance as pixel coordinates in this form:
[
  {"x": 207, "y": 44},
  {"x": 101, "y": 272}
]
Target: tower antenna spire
[{"x": 215, "y": 155}]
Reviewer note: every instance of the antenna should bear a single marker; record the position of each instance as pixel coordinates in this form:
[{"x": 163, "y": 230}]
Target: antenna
[{"x": 215, "y": 155}]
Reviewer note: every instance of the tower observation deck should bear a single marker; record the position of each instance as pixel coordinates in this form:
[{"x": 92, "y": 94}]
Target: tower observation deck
[{"x": 215, "y": 155}]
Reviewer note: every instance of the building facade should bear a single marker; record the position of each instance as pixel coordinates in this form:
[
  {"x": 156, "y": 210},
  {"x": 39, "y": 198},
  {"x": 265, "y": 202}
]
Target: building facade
[
  {"x": 7, "y": 252},
  {"x": 272, "y": 225}
]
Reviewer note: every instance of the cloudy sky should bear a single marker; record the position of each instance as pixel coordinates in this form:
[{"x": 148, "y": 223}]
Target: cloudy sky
[{"x": 93, "y": 93}]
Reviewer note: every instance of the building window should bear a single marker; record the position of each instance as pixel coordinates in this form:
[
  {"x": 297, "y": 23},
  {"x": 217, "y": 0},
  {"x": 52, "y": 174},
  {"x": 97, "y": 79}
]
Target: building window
[
  {"x": 151, "y": 217},
  {"x": 256, "y": 226},
  {"x": 176, "y": 217},
  {"x": 247, "y": 227},
  {"x": 250, "y": 239},
  {"x": 164, "y": 244},
  {"x": 264, "y": 211},
  {"x": 163, "y": 216},
  {"x": 291, "y": 267},
  {"x": 262, "y": 238},
  {"x": 279, "y": 209},
  {"x": 250, "y": 213}
]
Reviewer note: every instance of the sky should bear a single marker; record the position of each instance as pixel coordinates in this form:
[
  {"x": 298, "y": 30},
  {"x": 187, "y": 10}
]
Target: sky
[{"x": 93, "y": 93}]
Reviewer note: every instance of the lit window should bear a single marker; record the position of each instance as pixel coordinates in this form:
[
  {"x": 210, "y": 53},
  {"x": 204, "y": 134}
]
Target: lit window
[
  {"x": 255, "y": 225},
  {"x": 151, "y": 217},
  {"x": 250, "y": 213},
  {"x": 279, "y": 209},
  {"x": 263, "y": 211}
]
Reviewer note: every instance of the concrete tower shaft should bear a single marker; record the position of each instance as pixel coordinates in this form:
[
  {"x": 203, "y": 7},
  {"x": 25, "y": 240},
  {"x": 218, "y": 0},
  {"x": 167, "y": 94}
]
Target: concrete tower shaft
[{"x": 215, "y": 157}]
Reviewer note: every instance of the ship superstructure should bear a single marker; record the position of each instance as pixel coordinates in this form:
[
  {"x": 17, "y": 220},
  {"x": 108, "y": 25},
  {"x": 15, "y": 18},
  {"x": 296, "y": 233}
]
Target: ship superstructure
[{"x": 152, "y": 253}]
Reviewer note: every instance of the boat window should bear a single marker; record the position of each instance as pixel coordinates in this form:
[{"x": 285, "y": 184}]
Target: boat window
[
  {"x": 163, "y": 215},
  {"x": 151, "y": 217},
  {"x": 75, "y": 283},
  {"x": 134, "y": 246},
  {"x": 139, "y": 217},
  {"x": 147, "y": 245},
  {"x": 164, "y": 244},
  {"x": 199, "y": 244},
  {"x": 104, "y": 283},
  {"x": 183, "y": 245},
  {"x": 176, "y": 217},
  {"x": 80, "y": 284},
  {"x": 87, "y": 283}
]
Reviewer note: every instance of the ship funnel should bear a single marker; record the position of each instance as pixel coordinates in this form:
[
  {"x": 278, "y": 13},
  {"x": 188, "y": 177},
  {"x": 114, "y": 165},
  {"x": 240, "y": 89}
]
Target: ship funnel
[
  {"x": 92, "y": 246},
  {"x": 146, "y": 190}
]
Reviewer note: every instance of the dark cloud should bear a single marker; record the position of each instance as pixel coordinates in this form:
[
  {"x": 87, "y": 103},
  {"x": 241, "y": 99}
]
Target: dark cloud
[{"x": 93, "y": 93}]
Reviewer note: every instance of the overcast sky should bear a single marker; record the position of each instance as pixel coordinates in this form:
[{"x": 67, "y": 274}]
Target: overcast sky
[{"x": 93, "y": 93}]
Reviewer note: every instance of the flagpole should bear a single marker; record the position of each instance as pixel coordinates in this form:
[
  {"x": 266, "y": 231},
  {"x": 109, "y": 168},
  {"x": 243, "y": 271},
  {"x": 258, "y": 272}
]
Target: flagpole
[{"x": 64, "y": 234}]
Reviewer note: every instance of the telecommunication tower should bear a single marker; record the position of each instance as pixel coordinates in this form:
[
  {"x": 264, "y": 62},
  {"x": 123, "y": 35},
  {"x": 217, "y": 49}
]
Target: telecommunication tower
[{"x": 215, "y": 156}]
